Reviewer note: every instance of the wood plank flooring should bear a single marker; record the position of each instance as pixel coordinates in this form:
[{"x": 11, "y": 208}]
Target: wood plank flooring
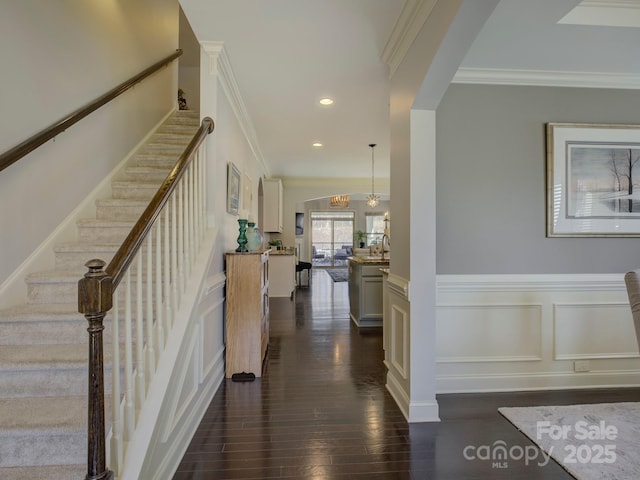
[{"x": 321, "y": 410}]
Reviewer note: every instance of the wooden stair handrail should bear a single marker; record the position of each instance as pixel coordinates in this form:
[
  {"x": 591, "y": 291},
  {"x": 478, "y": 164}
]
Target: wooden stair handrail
[{"x": 30, "y": 144}]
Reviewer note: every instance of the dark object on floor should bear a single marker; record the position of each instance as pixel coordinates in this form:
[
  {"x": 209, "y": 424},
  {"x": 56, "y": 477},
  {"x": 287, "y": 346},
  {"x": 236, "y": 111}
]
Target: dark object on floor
[
  {"x": 301, "y": 266},
  {"x": 338, "y": 274},
  {"x": 243, "y": 377}
]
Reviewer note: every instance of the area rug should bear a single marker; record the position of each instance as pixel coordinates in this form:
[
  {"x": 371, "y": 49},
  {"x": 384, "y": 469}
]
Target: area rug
[
  {"x": 338, "y": 274},
  {"x": 595, "y": 441}
]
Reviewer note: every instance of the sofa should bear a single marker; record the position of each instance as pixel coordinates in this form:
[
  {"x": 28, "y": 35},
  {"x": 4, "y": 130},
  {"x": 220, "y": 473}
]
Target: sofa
[{"x": 343, "y": 252}]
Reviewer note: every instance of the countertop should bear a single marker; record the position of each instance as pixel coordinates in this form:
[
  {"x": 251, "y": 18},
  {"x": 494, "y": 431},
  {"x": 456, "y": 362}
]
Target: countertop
[
  {"x": 369, "y": 260},
  {"x": 281, "y": 252}
]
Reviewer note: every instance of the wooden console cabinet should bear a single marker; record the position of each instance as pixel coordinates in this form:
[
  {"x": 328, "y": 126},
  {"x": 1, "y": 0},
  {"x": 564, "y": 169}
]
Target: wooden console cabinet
[{"x": 247, "y": 318}]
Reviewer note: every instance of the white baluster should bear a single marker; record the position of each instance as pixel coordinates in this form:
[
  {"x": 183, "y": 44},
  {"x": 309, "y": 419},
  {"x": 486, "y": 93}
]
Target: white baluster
[
  {"x": 140, "y": 368},
  {"x": 174, "y": 259},
  {"x": 117, "y": 443},
  {"x": 187, "y": 223},
  {"x": 150, "y": 359},
  {"x": 159, "y": 311},
  {"x": 167, "y": 274},
  {"x": 130, "y": 412},
  {"x": 180, "y": 246},
  {"x": 196, "y": 196}
]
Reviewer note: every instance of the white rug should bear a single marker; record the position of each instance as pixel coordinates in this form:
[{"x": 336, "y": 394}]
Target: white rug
[{"x": 597, "y": 441}]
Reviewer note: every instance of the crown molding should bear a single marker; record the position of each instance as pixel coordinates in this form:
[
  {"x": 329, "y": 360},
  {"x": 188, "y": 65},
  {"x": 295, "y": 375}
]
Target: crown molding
[
  {"x": 355, "y": 184},
  {"x": 412, "y": 17},
  {"x": 220, "y": 66},
  {"x": 547, "y": 78},
  {"x": 612, "y": 13}
]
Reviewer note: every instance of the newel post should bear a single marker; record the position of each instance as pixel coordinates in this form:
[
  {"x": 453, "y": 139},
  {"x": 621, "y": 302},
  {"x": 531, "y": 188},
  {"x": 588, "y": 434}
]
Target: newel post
[{"x": 95, "y": 292}]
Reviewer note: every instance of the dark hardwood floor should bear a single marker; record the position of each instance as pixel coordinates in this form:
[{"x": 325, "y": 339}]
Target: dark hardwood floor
[{"x": 321, "y": 410}]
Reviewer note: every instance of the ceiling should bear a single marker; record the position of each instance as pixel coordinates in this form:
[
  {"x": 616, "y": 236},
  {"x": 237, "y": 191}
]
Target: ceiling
[{"x": 288, "y": 54}]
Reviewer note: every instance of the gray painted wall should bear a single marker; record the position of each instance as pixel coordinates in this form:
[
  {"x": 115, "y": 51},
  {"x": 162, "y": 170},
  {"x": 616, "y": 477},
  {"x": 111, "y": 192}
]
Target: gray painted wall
[{"x": 490, "y": 177}]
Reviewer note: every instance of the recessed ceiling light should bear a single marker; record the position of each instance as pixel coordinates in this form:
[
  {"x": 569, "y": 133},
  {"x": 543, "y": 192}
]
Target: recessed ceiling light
[
  {"x": 317, "y": 144},
  {"x": 326, "y": 101}
]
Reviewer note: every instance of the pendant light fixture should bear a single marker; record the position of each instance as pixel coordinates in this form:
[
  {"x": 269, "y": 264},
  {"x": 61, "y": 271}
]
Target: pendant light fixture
[
  {"x": 372, "y": 200},
  {"x": 339, "y": 201}
]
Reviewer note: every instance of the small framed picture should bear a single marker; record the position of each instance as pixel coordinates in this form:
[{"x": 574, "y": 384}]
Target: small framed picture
[
  {"x": 233, "y": 189},
  {"x": 593, "y": 180}
]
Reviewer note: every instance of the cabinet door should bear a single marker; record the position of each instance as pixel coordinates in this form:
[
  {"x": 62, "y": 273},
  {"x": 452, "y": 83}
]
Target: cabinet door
[{"x": 272, "y": 206}]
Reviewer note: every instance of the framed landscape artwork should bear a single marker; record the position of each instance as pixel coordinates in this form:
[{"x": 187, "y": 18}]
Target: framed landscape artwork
[
  {"x": 593, "y": 180},
  {"x": 233, "y": 188}
]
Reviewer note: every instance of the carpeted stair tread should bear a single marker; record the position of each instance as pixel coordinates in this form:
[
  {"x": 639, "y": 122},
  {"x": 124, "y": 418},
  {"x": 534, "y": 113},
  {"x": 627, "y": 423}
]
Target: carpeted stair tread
[
  {"x": 44, "y": 343},
  {"x": 46, "y": 472},
  {"x": 85, "y": 246},
  {"x": 46, "y": 415},
  {"x": 40, "y": 313},
  {"x": 38, "y": 357},
  {"x": 105, "y": 223},
  {"x": 57, "y": 276}
]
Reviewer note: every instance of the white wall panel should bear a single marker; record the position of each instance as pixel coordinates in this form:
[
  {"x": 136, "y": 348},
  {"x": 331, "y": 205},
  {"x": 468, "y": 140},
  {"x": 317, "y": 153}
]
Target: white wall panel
[
  {"x": 591, "y": 331},
  {"x": 399, "y": 351},
  {"x": 485, "y": 333},
  {"x": 525, "y": 332}
]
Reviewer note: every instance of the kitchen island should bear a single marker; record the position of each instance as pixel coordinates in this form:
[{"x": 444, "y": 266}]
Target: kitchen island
[
  {"x": 282, "y": 273},
  {"x": 365, "y": 290}
]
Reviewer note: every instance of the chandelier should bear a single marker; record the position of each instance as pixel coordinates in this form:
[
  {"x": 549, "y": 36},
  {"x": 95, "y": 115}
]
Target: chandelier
[
  {"x": 372, "y": 200},
  {"x": 339, "y": 201}
]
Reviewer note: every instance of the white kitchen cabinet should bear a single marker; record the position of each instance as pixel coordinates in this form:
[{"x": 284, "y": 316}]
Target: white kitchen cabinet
[
  {"x": 282, "y": 274},
  {"x": 272, "y": 206}
]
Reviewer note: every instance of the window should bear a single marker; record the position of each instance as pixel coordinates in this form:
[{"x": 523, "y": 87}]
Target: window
[
  {"x": 331, "y": 238},
  {"x": 374, "y": 223}
]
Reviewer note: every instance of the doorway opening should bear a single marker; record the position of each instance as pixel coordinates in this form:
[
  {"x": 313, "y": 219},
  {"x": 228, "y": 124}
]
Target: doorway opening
[{"x": 331, "y": 238}]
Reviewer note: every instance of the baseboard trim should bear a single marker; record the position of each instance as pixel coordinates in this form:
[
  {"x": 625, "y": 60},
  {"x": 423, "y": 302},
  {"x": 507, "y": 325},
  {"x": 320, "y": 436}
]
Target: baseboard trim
[
  {"x": 536, "y": 382},
  {"x": 394, "y": 387}
]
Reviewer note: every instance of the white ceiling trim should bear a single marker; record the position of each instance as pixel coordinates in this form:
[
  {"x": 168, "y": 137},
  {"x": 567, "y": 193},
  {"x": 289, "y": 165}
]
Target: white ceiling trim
[
  {"x": 547, "y": 78},
  {"x": 611, "y": 13},
  {"x": 412, "y": 17},
  {"x": 347, "y": 184},
  {"x": 221, "y": 67}
]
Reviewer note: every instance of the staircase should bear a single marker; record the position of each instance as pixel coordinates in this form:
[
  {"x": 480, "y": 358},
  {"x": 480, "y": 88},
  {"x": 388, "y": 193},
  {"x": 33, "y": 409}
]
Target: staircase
[{"x": 44, "y": 343}]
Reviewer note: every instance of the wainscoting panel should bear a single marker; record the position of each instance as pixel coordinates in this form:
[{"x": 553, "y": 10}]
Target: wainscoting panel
[
  {"x": 397, "y": 331},
  {"x": 593, "y": 331},
  {"x": 489, "y": 333},
  {"x": 524, "y": 332},
  {"x": 399, "y": 338}
]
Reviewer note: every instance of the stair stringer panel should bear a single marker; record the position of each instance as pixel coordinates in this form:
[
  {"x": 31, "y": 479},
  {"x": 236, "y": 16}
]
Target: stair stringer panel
[{"x": 189, "y": 373}]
